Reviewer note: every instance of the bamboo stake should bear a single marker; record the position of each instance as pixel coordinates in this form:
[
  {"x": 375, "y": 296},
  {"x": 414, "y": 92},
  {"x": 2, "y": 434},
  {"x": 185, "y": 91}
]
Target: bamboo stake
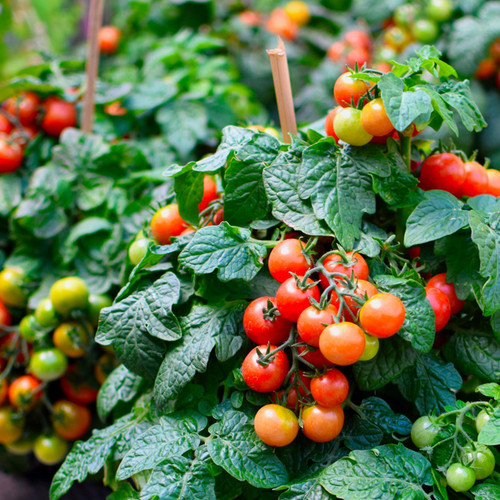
[
  {"x": 95, "y": 22},
  {"x": 283, "y": 88}
]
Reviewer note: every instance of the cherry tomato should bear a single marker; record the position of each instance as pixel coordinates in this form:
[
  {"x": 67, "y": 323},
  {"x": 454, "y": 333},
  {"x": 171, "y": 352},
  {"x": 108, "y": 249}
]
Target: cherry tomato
[
  {"x": 166, "y": 223},
  {"x": 11, "y": 426},
  {"x": 70, "y": 420},
  {"x": 48, "y": 364},
  {"x": 25, "y": 107},
  {"x": 342, "y": 343},
  {"x": 329, "y": 130},
  {"x": 348, "y": 91},
  {"x": 483, "y": 417},
  {"x": 330, "y": 389},
  {"x": 383, "y": 66},
  {"x": 45, "y": 314},
  {"x": 50, "y": 450},
  {"x": 219, "y": 216},
  {"x": 480, "y": 459},
  {"x": 397, "y": 38},
  {"x": 105, "y": 365},
  {"x": 69, "y": 294},
  {"x": 5, "y": 125},
  {"x": 322, "y": 424},
  {"x": 28, "y": 328},
  {"x": 276, "y": 425},
  {"x": 486, "y": 69},
  {"x": 25, "y": 392},
  {"x": 291, "y": 300},
  {"x": 72, "y": 339},
  {"x": 298, "y": 12},
  {"x": 383, "y": 315},
  {"x": 10, "y": 345},
  {"x": 11, "y": 155},
  {"x": 250, "y": 18},
  {"x": 109, "y": 39},
  {"x": 265, "y": 378},
  {"x": 96, "y": 304},
  {"x": 439, "y": 281},
  {"x": 336, "y": 51},
  {"x": 493, "y": 182},
  {"x": 358, "y": 38},
  {"x": 22, "y": 446},
  {"x": 58, "y": 115},
  {"x": 115, "y": 109},
  {"x": 4, "y": 315},
  {"x": 348, "y": 128},
  {"x": 76, "y": 388},
  {"x": 209, "y": 193},
  {"x": 280, "y": 24},
  {"x": 423, "y": 432},
  {"x": 439, "y": 10},
  {"x": 425, "y": 30},
  {"x": 374, "y": 118},
  {"x": 312, "y": 321},
  {"x": 440, "y": 305},
  {"x": 138, "y": 250},
  {"x": 356, "y": 266},
  {"x": 460, "y": 478},
  {"x": 313, "y": 356},
  {"x": 358, "y": 56},
  {"x": 495, "y": 49},
  {"x": 4, "y": 390},
  {"x": 405, "y": 14},
  {"x": 263, "y": 323},
  {"x": 364, "y": 290},
  {"x": 444, "y": 171},
  {"x": 372, "y": 345},
  {"x": 287, "y": 257},
  {"x": 476, "y": 179}
]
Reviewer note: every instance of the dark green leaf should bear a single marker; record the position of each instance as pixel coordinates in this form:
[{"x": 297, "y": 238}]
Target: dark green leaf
[
  {"x": 490, "y": 433},
  {"x": 10, "y": 193},
  {"x": 306, "y": 489},
  {"x": 189, "y": 192}
]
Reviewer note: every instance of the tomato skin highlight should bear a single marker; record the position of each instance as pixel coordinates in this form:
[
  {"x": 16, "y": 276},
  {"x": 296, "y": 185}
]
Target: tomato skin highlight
[
  {"x": 374, "y": 118},
  {"x": 330, "y": 389},
  {"x": 167, "y": 223},
  {"x": 25, "y": 393},
  {"x": 261, "y": 330},
  {"x": 291, "y": 300},
  {"x": 348, "y": 91},
  {"x": 383, "y": 315},
  {"x": 322, "y": 424},
  {"x": 342, "y": 343},
  {"x": 58, "y": 115},
  {"x": 348, "y": 128},
  {"x": 276, "y": 425},
  {"x": 287, "y": 257},
  {"x": 444, "y": 171},
  {"x": 483, "y": 417},
  {"x": 265, "y": 378},
  {"x": 439, "y": 281},
  {"x": 440, "y": 305},
  {"x": 481, "y": 460},
  {"x": 45, "y": 314}
]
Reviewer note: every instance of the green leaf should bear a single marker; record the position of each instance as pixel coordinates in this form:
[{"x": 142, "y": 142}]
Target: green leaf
[
  {"x": 490, "y": 390},
  {"x": 132, "y": 324},
  {"x": 125, "y": 491},
  {"x": 404, "y": 107},
  {"x": 120, "y": 385},
  {"x": 172, "y": 436},
  {"x": 149, "y": 95},
  {"x": 474, "y": 353},
  {"x": 306, "y": 489},
  {"x": 380, "y": 413},
  {"x": 387, "y": 472},
  {"x": 238, "y": 450},
  {"x": 418, "y": 327},
  {"x": 10, "y": 193},
  {"x": 228, "y": 249},
  {"x": 361, "y": 434},
  {"x": 490, "y": 433},
  {"x": 189, "y": 192},
  {"x": 439, "y": 215},
  {"x": 486, "y": 491}
]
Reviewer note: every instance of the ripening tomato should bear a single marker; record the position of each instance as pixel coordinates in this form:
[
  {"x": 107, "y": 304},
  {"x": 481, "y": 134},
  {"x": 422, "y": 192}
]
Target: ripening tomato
[
  {"x": 280, "y": 24},
  {"x": 485, "y": 69},
  {"x": 355, "y": 266},
  {"x": 97, "y": 302},
  {"x": 45, "y": 314},
  {"x": 342, "y": 343},
  {"x": 11, "y": 155},
  {"x": 276, "y": 425},
  {"x": 348, "y": 91},
  {"x": 69, "y": 294},
  {"x": 476, "y": 179},
  {"x": 358, "y": 56},
  {"x": 330, "y": 389},
  {"x": 167, "y": 223},
  {"x": 336, "y": 51},
  {"x": 4, "y": 390},
  {"x": 50, "y": 450},
  {"x": 439, "y": 281},
  {"x": 77, "y": 388},
  {"x": 58, "y": 115},
  {"x": 364, "y": 290},
  {"x": 348, "y": 128},
  {"x": 372, "y": 345},
  {"x": 70, "y": 420},
  {"x": 358, "y": 38},
  {"x": 312, "y": 355},
  {"x": 48, "y": 364},
  {"x": 263, "y": 323},
  {"x": 383, "y": 66},
  {"x": 138, "y": 250},
  {"x": 288, "y": 257},
  {"x": 322, "y": 424},
  {"x": 109, "y": 39},
  {"x": 312, "y": 321},
  {"x": 209, "y": 193},
  {"x": 115, "y": 109},
  {"x": 298, "y": 12},
  {"x": 440, "y": 305},
  {"x": 444, "y": 171},
  {"x": 25, "y": 107},
  {"x": 330, "y": 117},
  {"x": 265, "y": 378},
  {"x": 397, "y": 38},
  {"x": 493, "y": 182},
  {"x": 4, "y": 315},
  {"x": 291, "y": 300},
  {"x": 374, "y": 118},
  {"x": 72, "y": 339},
  {"x": 219, "y": 216},
  {"x": 5, "y": 125},
  {"x": 11, "y": 426},
  {"x": 25, "y": 392},
  {"x": 383, "y": 315}
]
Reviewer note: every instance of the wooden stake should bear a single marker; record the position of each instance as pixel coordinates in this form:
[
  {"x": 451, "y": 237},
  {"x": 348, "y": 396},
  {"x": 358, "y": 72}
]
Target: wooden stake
[
  {"x": 95, "y": 22},
  {"x": 283, "y": 88}
]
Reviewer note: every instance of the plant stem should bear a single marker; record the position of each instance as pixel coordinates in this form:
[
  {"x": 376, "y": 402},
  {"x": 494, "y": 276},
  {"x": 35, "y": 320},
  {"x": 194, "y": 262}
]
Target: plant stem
[{"x": 405, "y": 141}]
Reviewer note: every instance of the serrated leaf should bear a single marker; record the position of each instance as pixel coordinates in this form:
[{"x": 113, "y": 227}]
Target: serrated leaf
[
  {"x": 387, "y": 472},
  {"x": 306, "y": 489},
  {"x": 379, "y": 412},
  {"x": 361, "y": 434},
  {"x": 228, "y": 249},
  {"x": 237, "y": 449},
  {"x": 490, "y": 433},
  {"x": 189, "y": 192}
]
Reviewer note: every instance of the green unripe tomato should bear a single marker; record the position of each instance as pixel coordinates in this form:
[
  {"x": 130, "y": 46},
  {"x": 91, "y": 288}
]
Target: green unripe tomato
[
  {"x": 69, "y": 294},
  {"x": 22, "y": 446},
  {"x": 405, "y": 14},
  {"x": 96, "y": 303},
  {"x": 12, "y": 291},
  {"x": 48, "y": 364},
  {"x": 138, "y": 249},
  {"x": 348, "y": 128},
  {"x": 439, "y": 10},
  {"x": 29, "y": 327},
  {"x": 425, "y": 30},
  {"x": 45, "y": 314},
  {"x": 372, "y": 345},
  {"x": 480, "y": 459},
  {"x": 50, "y": 450},
  {"x": 423, "y": 432},
  {"x": 460, "y": 477},
  {"x": 483, "y": 417}
]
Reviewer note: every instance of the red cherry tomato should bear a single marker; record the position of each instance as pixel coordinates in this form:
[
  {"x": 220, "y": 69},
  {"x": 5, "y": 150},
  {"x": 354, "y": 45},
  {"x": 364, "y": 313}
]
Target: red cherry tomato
[
  {"x": 358, "y": 56},
  {"x": 4, "y": 390},
  {"x": 330, "y": 389},
  {"x": 4, "y": 315},
  {"x": 71, "y": 420},
  {"x": 11, "y": 155},
  {"x": 342, "y": 343},
  {"x": 25, "y": 107},
  {"x": 291, "y": 300},
  {"x": 265, "y": 378},
  {"x": 444, "y": 171},
  {"x": 25, "y": 392},
  {"x": 115, "y": 109},
  {"x": 485, "y": 69},
  {"x": 348, "y": 90},
  {"x": 58, "y": 115},
  {"x": 336, "y": 51},
  {"x": 322, "y": 424},
  {"x": 439, "y": 281},
  {"x": 312, "y": 322},
  {"x": 109, "y": 39},
  {"x": 364, "y": 290},
  {"x": 77, "y": 389},
  {"x": 312, "y": 355},
  {"x": 476, "y": 179},
  {"x": 330, "y": 117},
  {"x": 280, "y": 24},
  {"x": 334, "y": 264},
  {"x": 441, "y": 306},
  {"x": 358, "y": 38},
  {"x": 209, "y": 193},
  {"x": 287, "y": 257},
  {"x": 275, "y": 425},
  {"x": 263, "y": 323},
  {"x": 493, "y": 182},
  {"x": 5, "y": 125},
  {"x": 166, "y": 223},
  {"x": 383, "y": 315}
]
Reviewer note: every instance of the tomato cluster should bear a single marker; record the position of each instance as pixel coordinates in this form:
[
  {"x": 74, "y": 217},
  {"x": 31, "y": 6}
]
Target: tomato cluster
[
  {"x": 326, "y": 314},
  {"x": 51, "y": 368}
]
